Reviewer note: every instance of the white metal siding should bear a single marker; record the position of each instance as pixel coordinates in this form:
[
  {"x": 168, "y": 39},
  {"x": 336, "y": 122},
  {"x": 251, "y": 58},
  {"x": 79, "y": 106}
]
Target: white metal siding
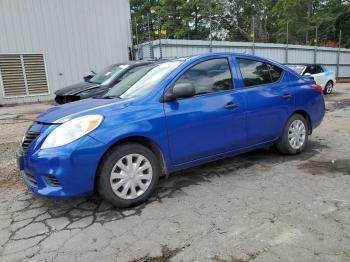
[{"x": 75, "y": 36}]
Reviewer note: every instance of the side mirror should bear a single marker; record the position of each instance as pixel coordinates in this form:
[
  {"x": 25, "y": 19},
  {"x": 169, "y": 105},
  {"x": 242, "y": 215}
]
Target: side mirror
[
  {"x": 182, "y": 90},
  {"x": 87, "y": 78},
  {"x": 307, "y": 74}
]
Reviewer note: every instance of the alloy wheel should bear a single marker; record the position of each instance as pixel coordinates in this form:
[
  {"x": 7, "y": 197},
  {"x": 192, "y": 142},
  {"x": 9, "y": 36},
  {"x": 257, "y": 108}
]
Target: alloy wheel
[
  {"x": 296, "y": 134},
  {"x": 329, "y": 88}
]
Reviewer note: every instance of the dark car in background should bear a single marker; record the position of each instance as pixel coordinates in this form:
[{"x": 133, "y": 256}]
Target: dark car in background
[{"x": 99, "y": 84}]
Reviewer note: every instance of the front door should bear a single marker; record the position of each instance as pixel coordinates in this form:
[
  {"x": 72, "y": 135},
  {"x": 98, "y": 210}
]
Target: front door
[{"x": 212, "y": 121}]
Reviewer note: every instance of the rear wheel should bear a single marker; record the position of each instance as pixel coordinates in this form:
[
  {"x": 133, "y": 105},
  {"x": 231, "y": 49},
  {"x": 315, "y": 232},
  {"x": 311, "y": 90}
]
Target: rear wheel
[
  {"x": 328, "y": 88},
  {"x": 295, "y": 136},
  {"x": 128, "y": 175}
]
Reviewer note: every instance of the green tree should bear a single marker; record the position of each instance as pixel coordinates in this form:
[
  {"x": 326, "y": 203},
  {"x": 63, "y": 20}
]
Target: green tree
[
  {"x": 233, "y": 20},
  {"x": 333, "y": 16}
]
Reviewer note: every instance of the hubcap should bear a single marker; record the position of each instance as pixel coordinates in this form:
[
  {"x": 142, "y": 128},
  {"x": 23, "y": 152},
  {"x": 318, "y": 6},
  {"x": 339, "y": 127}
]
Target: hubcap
[
  {"x": 131, "y": 176},
  {"x": 296, "y": 134},
  {"x": 329, "y": 87}
]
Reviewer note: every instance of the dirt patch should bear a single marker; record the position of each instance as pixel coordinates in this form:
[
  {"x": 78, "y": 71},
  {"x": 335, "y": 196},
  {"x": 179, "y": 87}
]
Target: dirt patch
[
  {"x": 9, "y": 174},
  {"x": 337, "y": 105},
  {"x": 247, "y": 257},
  {"x": 329, "y": 167},
  {"x": 166, "y": 255}
]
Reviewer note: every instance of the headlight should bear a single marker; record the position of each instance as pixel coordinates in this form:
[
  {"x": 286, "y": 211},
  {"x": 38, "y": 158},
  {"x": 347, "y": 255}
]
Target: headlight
[{"x": 72, "y": 130}]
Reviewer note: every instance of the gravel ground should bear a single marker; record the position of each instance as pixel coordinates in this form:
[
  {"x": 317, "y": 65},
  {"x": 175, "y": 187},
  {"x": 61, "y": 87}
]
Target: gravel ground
[{"x": 260, "y": 206}]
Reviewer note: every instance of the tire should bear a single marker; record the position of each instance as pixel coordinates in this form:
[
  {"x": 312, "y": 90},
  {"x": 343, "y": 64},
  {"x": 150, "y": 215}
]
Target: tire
[
  {"x": 127, "y": 186},
  {"x": 285, "y": 144},
  {"x": 328, "y": 89}
]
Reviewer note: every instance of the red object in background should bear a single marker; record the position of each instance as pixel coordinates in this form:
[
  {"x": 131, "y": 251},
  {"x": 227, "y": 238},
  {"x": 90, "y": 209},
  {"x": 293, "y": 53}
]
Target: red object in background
[{"x": 317, "y": 87}]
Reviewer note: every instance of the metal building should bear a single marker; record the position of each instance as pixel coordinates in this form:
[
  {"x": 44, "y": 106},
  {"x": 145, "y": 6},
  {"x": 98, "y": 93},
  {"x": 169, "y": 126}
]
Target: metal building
[{"x": 48, "y": 44}]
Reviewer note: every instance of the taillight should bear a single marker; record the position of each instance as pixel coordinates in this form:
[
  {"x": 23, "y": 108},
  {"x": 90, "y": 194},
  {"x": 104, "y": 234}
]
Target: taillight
[{"x": 317, "y": 87}]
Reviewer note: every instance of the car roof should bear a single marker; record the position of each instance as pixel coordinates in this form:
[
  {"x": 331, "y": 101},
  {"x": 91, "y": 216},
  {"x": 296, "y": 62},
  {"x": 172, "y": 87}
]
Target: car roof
[
  {"x": 192, "y": 57},
  {"x": 241, "y": 55}
]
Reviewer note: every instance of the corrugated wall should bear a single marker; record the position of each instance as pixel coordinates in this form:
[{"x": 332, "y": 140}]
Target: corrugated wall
[
  {"x": 170, "y": 48},
  {"x": 75, "y": 36}
]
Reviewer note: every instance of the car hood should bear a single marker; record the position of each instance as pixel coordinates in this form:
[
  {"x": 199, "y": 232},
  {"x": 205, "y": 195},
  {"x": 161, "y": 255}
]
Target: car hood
[
  {"x": 63, "y": 113},
  {"x": 76, "y": 88}
]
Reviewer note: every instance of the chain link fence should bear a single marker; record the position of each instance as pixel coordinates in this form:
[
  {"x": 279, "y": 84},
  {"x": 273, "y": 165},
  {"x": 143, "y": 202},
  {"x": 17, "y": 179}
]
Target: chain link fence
[
  {"x": 162, "y": 36},
  {"x": 153, "y": 26}
]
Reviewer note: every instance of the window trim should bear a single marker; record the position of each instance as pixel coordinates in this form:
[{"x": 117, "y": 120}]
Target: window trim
[
  {"x": 261, "y": 85},
  {"x": 171, "y": 85},
  {"x": 282, "y": 75}
]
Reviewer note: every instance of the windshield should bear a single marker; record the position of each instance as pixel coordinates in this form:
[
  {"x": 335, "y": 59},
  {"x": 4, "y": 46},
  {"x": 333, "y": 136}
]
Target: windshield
[
  {"x": 296, "y": 68},
  {"x": 107, "y": 73},
  {"x": 142, "y": 80}
]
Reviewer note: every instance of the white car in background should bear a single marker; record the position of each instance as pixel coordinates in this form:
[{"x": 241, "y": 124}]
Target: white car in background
[{"x": 323, "y": 76}]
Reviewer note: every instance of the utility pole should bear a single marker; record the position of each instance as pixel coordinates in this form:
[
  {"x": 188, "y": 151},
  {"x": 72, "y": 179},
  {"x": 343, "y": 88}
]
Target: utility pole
[
  {"x": 315, "y": 52},
  {"x": 137, "y": 40},
  {"x": 338, "y": 55},
  {"x": 132, "y": 39},
  {"x": 210, "y": 31},
  {"x": 148, "y": 28},
  {"x": 287, "y": 42},
  {"x": 151, "y": 55},
  {"x": 253, "y": 30},
  {"x": 137, "y": 36},
  {"x": 160, "y": 39}
]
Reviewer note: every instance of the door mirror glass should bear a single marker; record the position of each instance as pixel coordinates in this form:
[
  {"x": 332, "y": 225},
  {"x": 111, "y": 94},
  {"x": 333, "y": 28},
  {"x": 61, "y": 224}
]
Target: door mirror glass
[
  {"x": 180, "y": 90},
  {"x": 307, "y": 74}
]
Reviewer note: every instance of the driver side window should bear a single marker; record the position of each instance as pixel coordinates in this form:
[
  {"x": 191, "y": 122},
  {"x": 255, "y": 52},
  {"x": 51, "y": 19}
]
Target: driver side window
[{"x": 210, "y": 76}]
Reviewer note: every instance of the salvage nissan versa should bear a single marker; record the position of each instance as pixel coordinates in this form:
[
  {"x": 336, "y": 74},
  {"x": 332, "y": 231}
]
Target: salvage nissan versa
[{"x": 168, "y": 116}]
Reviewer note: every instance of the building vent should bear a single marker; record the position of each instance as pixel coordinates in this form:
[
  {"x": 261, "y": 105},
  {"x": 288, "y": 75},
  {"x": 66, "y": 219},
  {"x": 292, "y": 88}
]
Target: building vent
[{"x": 23, "y": 75}]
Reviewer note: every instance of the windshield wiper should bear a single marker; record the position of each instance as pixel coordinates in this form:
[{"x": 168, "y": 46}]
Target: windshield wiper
[
  {"x": 111, "y": 97},
  {"x": 92, "y": 82}
]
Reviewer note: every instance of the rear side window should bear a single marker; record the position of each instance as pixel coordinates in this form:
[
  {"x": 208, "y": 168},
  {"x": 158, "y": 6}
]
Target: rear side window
[
  {"x": 276, "y": 73},
  {"x": 253, "y": 72},
  {"x": 210, "y": 76},
  {"x": 257, "y": 73}
]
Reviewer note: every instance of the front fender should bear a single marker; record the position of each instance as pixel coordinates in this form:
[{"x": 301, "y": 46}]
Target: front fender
[{"x": 134, "y": 122}]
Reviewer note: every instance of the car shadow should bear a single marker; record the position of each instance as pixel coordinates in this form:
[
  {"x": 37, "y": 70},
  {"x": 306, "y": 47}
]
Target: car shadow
[{"x": 96, "y": 210}]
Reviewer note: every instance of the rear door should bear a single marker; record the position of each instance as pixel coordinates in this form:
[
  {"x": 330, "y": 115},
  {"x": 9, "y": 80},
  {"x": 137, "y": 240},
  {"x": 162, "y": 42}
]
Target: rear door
[
  {"x": 211, "y": 122},
  {"x": 268, "y": 97}
]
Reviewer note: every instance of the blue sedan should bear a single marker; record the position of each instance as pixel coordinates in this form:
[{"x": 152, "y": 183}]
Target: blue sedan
[{"x": 169, "y": 116}]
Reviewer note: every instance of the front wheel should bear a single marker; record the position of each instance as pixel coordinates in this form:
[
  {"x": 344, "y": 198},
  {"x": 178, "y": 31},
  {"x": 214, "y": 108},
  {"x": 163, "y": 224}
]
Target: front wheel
[
  {"x": 128, "y": 175},
  {"x": 295, "y": 136},
  {"x": 328, "y": 88}
]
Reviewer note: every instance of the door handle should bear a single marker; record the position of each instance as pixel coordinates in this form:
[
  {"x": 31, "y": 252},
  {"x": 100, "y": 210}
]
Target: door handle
[
  {"x": 287, "y": 96},
  {"x": 231, "y": 106}
]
